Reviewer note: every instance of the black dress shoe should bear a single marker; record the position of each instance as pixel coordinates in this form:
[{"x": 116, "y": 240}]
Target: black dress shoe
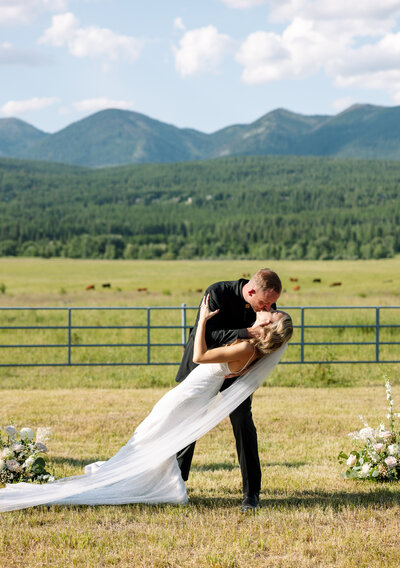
[{"x": 250, "y": 502}]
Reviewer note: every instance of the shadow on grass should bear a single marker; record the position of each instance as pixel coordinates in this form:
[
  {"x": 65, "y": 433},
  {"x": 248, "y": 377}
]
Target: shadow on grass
[
  {"x": 285, "y": 464},
  {"x": 230, "y": 466},
  {"x": 305, "y": 500},
  {"x": 216, "y": 466},
  {"x": 73, "y": 462},
  {"x": 380, "y": 498}
]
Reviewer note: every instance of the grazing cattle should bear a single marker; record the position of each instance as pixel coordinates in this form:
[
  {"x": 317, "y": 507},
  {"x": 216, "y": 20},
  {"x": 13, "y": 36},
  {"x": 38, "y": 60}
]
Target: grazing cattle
[
  {"x": 246, "y": 275},
  {"x": 90, "y": 287},
  {"x": 106, "y": 285},
  {"x": 336, "y": 284},
  {"x": 317, "y": 280},
  {"x": 296, "y": 288},
  {"x": 142, "y": 289},
  {"x": 293, "y": 279},
  {"x": 199, "y": 290}
]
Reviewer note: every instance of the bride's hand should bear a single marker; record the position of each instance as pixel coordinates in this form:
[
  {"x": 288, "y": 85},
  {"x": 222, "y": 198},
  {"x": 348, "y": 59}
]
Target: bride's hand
[{"x": 205, "y": 312}]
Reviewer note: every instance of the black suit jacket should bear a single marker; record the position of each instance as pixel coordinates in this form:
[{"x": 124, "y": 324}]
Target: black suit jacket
[{"x": 231, "y": 323}]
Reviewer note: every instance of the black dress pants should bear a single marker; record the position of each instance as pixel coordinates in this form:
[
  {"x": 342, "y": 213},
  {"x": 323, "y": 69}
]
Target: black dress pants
[{"x": 246, "y": 445}]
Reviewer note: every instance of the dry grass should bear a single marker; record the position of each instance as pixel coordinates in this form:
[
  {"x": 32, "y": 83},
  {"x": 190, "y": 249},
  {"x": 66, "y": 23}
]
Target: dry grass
[{"x": 310, "y": 516}]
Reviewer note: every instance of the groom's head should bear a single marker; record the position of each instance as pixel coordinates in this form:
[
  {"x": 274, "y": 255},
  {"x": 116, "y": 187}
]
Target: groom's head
[{"x": 262, "y": 290}]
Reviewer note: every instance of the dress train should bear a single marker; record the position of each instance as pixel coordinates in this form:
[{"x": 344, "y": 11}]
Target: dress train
[{"x": 145, "y": 470}]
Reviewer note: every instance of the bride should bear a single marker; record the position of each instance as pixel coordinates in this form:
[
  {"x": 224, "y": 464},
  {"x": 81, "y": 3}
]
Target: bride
[{"x": 145, "y": 470}]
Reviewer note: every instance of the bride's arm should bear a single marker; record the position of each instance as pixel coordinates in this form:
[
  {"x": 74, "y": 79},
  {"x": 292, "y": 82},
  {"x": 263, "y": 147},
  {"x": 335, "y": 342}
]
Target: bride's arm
[{"x": 226, "y": 354}]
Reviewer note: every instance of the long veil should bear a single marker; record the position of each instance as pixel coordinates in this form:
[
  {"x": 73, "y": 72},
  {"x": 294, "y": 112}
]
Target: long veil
[{"x": 134, "y": 460}]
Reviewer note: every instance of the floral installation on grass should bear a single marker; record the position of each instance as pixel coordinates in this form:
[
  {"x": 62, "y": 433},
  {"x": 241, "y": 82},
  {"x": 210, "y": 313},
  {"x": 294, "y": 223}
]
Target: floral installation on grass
[
  {"x": 20, "y": 455},
  {"x": 377, "y": 457}
]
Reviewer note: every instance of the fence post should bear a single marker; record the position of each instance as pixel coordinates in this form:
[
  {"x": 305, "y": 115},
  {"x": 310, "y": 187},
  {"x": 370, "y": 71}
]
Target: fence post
[
  {"x": 148, "y": 336},
  {"x": 183, "y": 323},
  {"x": 69, "y": 335},
  {"x": 302, "y": 337},
  {"x": 377, "y": 329}
]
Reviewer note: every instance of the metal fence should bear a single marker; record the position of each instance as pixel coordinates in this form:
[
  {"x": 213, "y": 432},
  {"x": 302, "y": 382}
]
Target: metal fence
[{"x": 353, "y": 334}]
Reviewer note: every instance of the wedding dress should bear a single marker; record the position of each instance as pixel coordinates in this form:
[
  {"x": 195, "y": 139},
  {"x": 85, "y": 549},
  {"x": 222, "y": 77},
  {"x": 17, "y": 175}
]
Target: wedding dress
[{"x": 145, "y": 470}]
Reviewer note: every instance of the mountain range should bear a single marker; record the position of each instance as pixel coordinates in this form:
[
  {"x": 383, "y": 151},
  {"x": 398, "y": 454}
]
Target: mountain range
[{"x": 115, "y": 137}]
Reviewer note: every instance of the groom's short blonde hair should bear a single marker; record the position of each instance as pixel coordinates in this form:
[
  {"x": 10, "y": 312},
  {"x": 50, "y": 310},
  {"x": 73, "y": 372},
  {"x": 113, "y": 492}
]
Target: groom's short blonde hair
[{"x": 267, "y": 279}]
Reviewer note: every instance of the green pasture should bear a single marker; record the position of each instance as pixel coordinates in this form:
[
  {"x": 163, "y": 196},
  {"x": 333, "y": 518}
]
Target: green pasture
[{"x": 62, "y": 283}]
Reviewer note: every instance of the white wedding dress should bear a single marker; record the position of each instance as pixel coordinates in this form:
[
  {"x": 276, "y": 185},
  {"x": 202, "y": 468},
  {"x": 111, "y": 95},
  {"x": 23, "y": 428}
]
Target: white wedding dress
[{"x": 145, "y": 470}]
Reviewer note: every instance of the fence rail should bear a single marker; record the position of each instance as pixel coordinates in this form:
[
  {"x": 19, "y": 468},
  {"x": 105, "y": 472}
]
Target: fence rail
[{"x": 373, "y": 329}]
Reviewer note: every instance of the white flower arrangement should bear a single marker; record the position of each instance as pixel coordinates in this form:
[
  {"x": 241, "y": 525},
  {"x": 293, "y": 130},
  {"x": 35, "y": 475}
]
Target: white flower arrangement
[
  {"x": 377, "y": 457},
  {"x": 20, "y": 458}
]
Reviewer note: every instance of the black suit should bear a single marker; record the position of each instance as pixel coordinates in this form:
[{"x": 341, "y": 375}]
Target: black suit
[{"x": 230, "y": 323}]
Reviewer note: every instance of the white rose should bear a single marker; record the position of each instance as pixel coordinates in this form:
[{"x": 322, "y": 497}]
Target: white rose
[
  {"x": 10, "y": 431},
  {"x": 13, "y": 465},
  {"x": 6, "y": 453},
  {"x": 391, "y": 462},
  {"x": 386, "y": 434},
  {"x": 365, "y": 469},
  {"x": 17, "y": 447},
  {"x": 27, "y": 434},
  {"x": 41, "y": 447},
  {"x": 393, "y": 449},
  {"x": 29, "y": 462},
  {"x": 366, "y": 433},
  {"x": 351, "y": 460},
  {"x": 2, "y": 464},
  {"x": 379, "y": 447},
  {"x": 374, "y": 457}
]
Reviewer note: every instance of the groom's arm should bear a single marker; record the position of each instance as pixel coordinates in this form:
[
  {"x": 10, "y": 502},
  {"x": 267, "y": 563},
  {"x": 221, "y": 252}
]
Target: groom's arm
[{"x": 219, "y": 329}]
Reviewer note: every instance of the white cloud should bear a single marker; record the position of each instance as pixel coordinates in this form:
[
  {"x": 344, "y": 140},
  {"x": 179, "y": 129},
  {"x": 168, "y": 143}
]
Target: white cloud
[
  {"x": 242, "y": 4},
  {"x": 10, "y": 55},
  {"x": 201, "y": 50},
  {"x": 91, "y": 41},
  {"x": 17, "y": 108},
  {"x": 298, "y": 52},
  {"x": 62, "y": 30},
  {"x": 372, "y": 66},
  {"x": 342, "y": 103},
  {"x": 179, "y": 25},
  {"x": 338, "y": 11},
  {"x": 93, "y": 105},
  {"x": 24, "y": 11},
  {"x": 354, "y": 43}
]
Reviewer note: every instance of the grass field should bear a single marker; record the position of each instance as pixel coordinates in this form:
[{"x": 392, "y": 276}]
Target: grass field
[{"x": 310, "y": 516}]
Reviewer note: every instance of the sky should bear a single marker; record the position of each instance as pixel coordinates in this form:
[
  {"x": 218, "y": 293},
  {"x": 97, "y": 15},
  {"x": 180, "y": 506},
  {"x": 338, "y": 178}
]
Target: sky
[{"x": 203, "y": 65}]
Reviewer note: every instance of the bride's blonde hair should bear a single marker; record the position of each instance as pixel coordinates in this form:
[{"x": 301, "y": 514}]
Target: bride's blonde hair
[{"x": 273, "y": 336}]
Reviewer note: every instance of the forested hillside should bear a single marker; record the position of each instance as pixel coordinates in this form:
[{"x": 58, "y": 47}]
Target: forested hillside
[{"x": 247, "y": 207}]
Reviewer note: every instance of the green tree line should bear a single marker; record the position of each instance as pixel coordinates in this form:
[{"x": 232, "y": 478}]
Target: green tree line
[{"x": 245, "y": 207}]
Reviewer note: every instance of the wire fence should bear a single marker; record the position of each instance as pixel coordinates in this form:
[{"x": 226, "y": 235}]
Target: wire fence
[{"x": 89, "y": 336}]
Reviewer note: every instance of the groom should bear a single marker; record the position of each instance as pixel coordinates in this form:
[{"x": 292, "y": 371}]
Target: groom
[{"x": 237, "y": 301}]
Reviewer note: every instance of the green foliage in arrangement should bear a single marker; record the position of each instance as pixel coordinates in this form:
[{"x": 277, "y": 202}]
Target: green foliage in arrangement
[{"x": 247, "y": 207}]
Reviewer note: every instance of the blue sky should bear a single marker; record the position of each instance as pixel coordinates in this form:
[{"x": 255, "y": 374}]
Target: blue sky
[{"x": 202, "y": 65}]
